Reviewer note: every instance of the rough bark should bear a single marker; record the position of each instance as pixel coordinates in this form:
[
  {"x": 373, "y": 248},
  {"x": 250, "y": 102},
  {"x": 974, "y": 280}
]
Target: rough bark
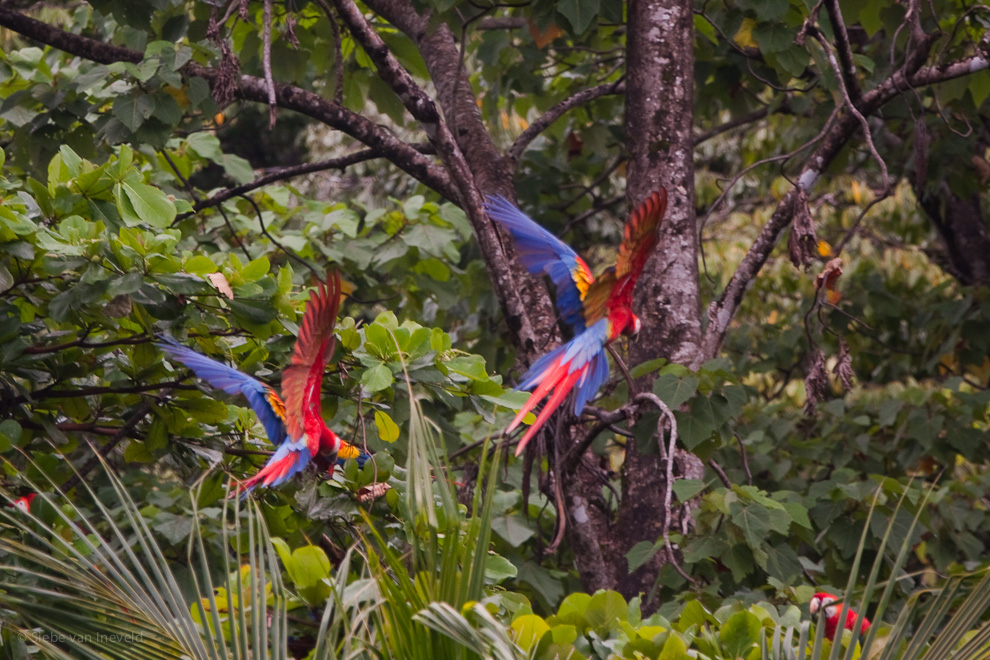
[
  {"x": 493, "y": 173},
  {"x": 963, "y": 230},
  {"x": 659, "y": 122}
]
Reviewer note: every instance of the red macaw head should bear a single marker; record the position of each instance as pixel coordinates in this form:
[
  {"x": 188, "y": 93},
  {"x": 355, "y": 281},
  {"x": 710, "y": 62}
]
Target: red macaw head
[
  {"x": 834, "y": 614},
  {"x": 24, "y": 503},
  {"x": 633, "y": 328}
]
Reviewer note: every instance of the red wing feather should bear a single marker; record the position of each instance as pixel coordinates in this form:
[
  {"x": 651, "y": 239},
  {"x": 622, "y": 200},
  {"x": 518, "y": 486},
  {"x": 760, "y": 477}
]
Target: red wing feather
[
  {"x": 314, "y": 347},
  {"x": 640, "y": 237}
]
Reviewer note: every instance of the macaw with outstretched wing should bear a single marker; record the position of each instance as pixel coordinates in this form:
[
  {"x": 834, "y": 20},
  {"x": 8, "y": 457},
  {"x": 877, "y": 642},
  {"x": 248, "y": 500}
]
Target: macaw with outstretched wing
[
  {"x": 286, "y": 423},
  {"x": 599, "y": 310}
]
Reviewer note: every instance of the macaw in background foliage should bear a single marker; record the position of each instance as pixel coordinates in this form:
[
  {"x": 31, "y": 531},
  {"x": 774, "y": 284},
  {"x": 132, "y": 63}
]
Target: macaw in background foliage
[
  {"x": 23, "y": 503},
  {"x": 836, "y": 614},
  {"x": 296, "y": 425},
  {"x": 597, "y": 310}
]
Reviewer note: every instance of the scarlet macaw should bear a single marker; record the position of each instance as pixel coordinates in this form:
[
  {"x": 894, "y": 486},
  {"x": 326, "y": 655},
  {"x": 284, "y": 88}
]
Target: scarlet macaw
[
  {"x": 834, "y": 615},
  {"x": 296, "y": 426},
  {"x": 23, "y": 503},
  {"x": 598, "y": 310}
]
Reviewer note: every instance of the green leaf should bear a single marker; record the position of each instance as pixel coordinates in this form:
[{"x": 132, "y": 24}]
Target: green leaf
[
  {"x": 773, "y": 37},
  {"x": 674, "y": 390},
  {"x": 512, "y": 529},
  {"x": 498, "y": 568},
  {"x": 685, "y": 489},
  {"x": 469, "y": 366},
  {"x": 377, "y": 378},
  {"x": 979, "y": 88},
  {"x": 387, "y": 429},
  {"x": 740, "y": 634},
  {"x": 641, "y": 553},
  {"x": 529, "y": 630},
  {"x": 10, "y": 434},
  {"x": 605, "y": 611},
  {"x": 139, "y": 202},
  {"x": 206, "y": 145},
  {"x": 132, "y": 111},
  {"x": 6, "y": 279},
  {"x": 256, "y": 269},
  {"x": 257, "y": 312},
  {"x": 199, "y": 265},
  {"x": 579, "y": 13}
]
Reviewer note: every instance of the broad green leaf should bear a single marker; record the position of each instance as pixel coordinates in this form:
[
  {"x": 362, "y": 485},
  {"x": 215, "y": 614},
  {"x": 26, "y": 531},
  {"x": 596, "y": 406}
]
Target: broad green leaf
[
  {"x": 377, "y": 378},
  {"x": 529, "y": 630},
  {"x": 387, "y": 429},
  {"x": 139, "y": 202},
  {"x": 739, "y": 634},
  {"x": 579, "y": 13}
]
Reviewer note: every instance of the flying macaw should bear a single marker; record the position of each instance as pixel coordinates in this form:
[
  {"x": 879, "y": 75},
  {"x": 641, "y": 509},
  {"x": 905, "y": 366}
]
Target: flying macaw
[
  {"x": 834, "y": 615},
  {"x": 296, "y": 425},
  {"x": 598, "y": 310}
]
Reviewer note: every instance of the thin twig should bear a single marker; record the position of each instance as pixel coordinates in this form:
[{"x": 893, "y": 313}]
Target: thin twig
[
  {"x": 667, "y": 455},
  {"x": 557, "y": 111},
  {"x": 264, "y": 230},
  {"x": 853, "y": 109},
  {"x": 283, "y": 173},
  {"x": 745, "y": 460},
  {"x": 848, "y": 73},
  {"x": 233, "y": 233},
  {"x": 723, "y": 477},
  {"x": 139, "y": 413}
]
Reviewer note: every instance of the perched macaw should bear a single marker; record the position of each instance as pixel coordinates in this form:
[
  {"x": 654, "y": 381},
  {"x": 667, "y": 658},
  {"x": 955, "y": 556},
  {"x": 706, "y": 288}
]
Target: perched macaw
[
  {"x": 296, "y": 425},
  {"x": 834, "y": 614},
  {"x": 24, "y": 503},
  {"x": 598, "y": 310}
]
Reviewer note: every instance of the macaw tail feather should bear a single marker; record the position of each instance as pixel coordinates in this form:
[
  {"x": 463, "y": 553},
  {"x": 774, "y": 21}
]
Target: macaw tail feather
[
  {"x": 560, "y": 393},
  {"x": 290, "y": 459}
]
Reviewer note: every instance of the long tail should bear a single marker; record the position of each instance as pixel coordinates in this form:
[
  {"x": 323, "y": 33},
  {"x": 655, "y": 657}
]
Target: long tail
[
  {"x": 564, "y": 386},
  {"x": 290, "y": 459},
  {"x": 556, "y": 377}
]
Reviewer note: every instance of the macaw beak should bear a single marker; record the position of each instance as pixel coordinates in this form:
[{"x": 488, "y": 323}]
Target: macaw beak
[{"x": 634, "y": 329}]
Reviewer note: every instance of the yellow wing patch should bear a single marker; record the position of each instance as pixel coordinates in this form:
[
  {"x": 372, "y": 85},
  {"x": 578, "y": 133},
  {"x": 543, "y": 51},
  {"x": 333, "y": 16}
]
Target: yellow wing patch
[
  {"x": 347, "y": 451},
  {"x": 582, "y": 277},
  {"x": 276, "y": 403}
]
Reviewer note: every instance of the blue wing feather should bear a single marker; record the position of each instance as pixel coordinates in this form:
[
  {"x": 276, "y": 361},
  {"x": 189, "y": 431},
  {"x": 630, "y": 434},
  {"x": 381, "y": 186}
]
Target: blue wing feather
[
  {"x": 231, "y": 381},
  {"x": 542, "y": 252}
]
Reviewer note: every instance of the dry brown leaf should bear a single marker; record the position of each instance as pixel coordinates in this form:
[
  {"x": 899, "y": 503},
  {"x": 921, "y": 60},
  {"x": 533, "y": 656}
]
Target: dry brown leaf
[
  {"x": 119, "y": 307},
  {"x": 815, "y": 382},
  {"x": 542, "y": 38},
  {"x": 802, "y": 243},
  {"x": 829, "y": 275},
  {"x": 221, "y": 285},
  {"x": 843, "y": 366},
  {"x": 372, "y": 491}
]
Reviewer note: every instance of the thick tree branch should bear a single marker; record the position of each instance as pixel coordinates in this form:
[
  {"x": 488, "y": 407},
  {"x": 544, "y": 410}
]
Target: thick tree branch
[
  {"x": 283, "y": 173},
  {"x": 557, "y": 111},
  {"x": 842, "y": 45},
  {"x": 46, "y": 393},
  {"x": 912, "y": 74},
  {"x": 255, "y": 89},
  {"x": 524, "y": 300}
]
